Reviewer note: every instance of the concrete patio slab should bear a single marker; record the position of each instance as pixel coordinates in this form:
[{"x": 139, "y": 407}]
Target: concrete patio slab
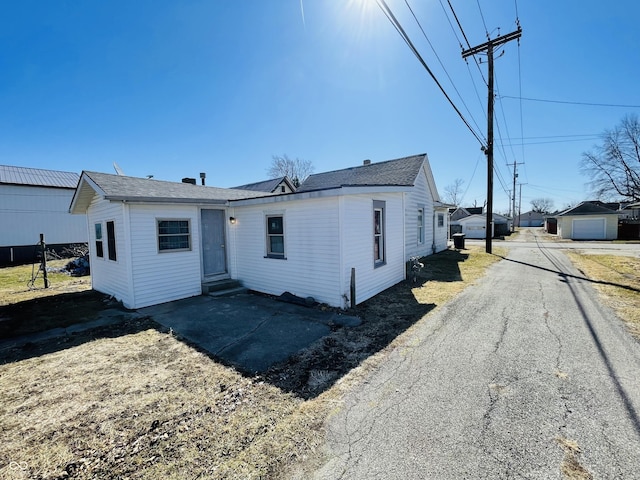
[{"x": 249, "y": 331}]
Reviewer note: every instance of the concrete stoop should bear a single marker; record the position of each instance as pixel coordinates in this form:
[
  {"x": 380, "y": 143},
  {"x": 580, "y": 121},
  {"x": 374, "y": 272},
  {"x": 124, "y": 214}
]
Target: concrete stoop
[{"x": 222, "y": 288}]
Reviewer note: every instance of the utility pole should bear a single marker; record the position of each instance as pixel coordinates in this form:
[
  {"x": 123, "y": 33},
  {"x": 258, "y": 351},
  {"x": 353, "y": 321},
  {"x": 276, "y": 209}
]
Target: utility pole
[
  {"x": 520, "y": 203},
  {"x": 488, "y": 150},
  {"x": 513, "y": 201}
]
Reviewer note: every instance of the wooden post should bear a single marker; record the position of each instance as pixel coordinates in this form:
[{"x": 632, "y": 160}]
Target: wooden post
[
  {"x": 353, "y": 288},
  {"x": 44, "y": 261}
]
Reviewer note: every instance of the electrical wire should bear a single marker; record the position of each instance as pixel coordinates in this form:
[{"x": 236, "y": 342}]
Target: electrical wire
[
  {"x": 566, "y": 102},
  {"x": 465, "y": 38},
  {"x": 442, "y": 65},
  {"x": 483, "y": 22},
  {"x": 394, "y": 21}
]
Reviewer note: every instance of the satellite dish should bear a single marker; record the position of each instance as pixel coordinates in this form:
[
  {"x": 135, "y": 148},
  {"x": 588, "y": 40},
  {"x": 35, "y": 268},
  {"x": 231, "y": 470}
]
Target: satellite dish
[{"x": 117, "y": 168}]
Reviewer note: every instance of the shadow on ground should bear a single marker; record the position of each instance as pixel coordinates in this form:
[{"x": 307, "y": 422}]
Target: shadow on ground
[{"x": 321, "y": 350}]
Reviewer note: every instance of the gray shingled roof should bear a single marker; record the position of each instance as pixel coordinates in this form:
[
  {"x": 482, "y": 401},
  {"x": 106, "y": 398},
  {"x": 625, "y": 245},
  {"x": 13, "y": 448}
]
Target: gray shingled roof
[
  {"x": 264, "y": 186},
  {"x": 399, "y": 172},
  {"x": 120, "y": 187},
  {"x": 38, "y": 177},
  {"x": 586, "y": 208}
]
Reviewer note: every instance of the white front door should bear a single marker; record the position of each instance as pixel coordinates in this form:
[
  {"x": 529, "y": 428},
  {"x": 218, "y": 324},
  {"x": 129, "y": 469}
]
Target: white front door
[{"x": 214, "y": 258}]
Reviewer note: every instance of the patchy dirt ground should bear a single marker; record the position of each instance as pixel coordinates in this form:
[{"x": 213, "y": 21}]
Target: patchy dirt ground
[{"x": 133, "y": 401}]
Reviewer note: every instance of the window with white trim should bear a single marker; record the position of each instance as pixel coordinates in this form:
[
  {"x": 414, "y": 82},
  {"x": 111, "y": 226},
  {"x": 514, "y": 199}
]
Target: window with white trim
[
  {"x": 174, "y": 235},
  {"x": 111, "y": 240},
  {"x": 420, "y": 225},
  {"x": 441, "y": 219},
  {"x": 99, "y": 245},
  {"x": 378, "y": 233},
  {"x": 275, "y": 236}
]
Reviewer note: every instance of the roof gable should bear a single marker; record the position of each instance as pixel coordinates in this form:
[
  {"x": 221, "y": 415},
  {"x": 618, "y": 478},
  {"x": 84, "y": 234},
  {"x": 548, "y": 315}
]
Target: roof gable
[
  {"x": 269, "y": 186},
  {"x": 398, "y": 172},
  {"x": 37, "y": 177}
]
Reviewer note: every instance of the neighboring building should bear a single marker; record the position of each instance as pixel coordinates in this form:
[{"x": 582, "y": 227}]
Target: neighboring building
[
  {"x": 530, "y": 219},
  {"x": 629, "y": 223},
  {"x": 275, "y": 185},
  {"x": 153, "y": 241},
  {"x": 35, "y": 201},
  {"x": 588, "y": 221},
  {"x": 475, "y": 225}
]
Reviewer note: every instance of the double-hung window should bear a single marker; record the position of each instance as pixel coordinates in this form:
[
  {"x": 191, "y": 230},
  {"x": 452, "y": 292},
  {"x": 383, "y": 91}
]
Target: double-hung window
[
  {"x": 99, "y": 246},
  {"x": 275, "y": 236},
  {"x": 111, "y": 240},
  {"x": 174, "y": 235},
  {"x": 378, "y": 233},
  {"x": 420, "y": 226},
  {"x": 441, "y": 219}
]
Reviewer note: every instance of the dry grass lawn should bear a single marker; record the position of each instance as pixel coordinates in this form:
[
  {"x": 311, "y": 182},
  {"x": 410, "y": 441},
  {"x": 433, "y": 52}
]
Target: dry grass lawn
[
  {"x": 137, "y": 402},
  {"x": 617, "y": 278},
  {"x": 14, "y": 283}
]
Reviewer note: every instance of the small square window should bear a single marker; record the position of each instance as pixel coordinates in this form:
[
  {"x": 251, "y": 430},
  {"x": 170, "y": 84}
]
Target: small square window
[{"x": 174, "y": 235}]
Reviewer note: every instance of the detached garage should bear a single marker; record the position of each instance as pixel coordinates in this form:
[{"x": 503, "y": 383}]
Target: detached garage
[{"x": 588, "y": 221}]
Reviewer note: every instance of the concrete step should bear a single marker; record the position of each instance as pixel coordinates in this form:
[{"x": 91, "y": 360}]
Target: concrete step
[
  {"x": 219, "y": 286},
  {"x": 228, "y": 292}
]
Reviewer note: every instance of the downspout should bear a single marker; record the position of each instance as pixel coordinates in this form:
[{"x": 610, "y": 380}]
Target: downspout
[{"x": 433, "y": 232}]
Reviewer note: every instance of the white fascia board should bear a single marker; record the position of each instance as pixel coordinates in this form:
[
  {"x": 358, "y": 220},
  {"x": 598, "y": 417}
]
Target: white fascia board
[
  {"x": 166, "y": 201},
  {"x": 334, "y": 192},
  {"x": 84, "y": 182}
]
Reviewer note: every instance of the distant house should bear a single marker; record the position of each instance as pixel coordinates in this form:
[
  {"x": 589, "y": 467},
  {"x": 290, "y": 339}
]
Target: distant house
[
  {"x": 472, "y": 221},
  {"x": 530, "y": 219},
  {"x": 35, "y": 201},
  {"x": 475, "y": 225},
  {"x": 588, "y": 221},
  {"x": 274, "y": 185},
  {"x": 351, "y": 229}
]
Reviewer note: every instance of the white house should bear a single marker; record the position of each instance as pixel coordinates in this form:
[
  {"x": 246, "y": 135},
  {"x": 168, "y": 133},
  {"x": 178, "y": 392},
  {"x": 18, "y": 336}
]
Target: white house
[
  {"x": 35, "y": 201},
  {"x": 154, "y": 241}
]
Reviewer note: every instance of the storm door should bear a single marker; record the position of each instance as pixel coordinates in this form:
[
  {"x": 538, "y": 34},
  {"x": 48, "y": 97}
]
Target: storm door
[{"x": 214, "y": 258}]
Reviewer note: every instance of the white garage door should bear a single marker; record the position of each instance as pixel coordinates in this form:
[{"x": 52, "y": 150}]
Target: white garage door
[{"x": 589, "y": 229}]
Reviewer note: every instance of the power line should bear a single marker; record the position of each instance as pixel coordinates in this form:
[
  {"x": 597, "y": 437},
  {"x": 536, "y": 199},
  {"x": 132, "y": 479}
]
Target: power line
[
  {"x": 483, "y": 22},
  {"x": 464, "y": 35},
  {"x": 394, "y": 21},
  {"x": 566, "y": 102},
  {"x": 441, "y": 64}
]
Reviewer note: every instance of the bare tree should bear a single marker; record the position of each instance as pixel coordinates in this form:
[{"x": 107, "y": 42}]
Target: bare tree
[
  {"x": 453, "y": 193},
  {"x": 542, "y": 205},
  {"x": 296, "y": 169},
  {"x": 614, "y": 166}
]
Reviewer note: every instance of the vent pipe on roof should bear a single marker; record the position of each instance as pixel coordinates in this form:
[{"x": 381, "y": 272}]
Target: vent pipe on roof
[
  {"x": 192, "y": 181},
  {"x": 203, "y": 176},
  {"x": 366, "y": 162}
]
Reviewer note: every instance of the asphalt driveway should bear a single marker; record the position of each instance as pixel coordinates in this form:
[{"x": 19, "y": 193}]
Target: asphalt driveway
[
  {"x": 524, "y": 375},
  {"x": 251, "y": 332}
]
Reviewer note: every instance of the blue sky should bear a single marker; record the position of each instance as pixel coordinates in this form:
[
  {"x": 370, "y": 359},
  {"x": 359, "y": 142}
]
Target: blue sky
[{"x": 171, "y": 89}]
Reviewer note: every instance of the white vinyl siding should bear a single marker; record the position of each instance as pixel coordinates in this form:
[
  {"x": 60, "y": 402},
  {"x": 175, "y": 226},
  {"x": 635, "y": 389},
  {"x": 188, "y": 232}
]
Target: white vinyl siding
[
  {"x": 356, "y": 254},
  {"x": 420, "y": 197},
  {"x": 159, "y": 277},
  {"x": 31, "y": 210},
  {"x": 110, "y": 277},
  {"x": 312, "y": 245}
]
